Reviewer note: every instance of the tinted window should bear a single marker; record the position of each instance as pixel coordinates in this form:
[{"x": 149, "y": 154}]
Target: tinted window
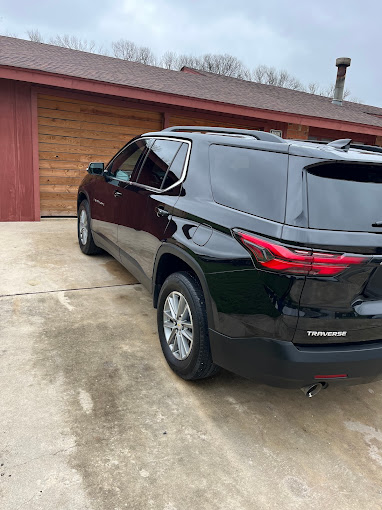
[
  {"x": 130, "y": 158},
  {"x": 174, "y": 173},
  {"x": 249, "y": 180},
  {"x": 156, "y": 164},
  {"x": 345, "y": 196}
]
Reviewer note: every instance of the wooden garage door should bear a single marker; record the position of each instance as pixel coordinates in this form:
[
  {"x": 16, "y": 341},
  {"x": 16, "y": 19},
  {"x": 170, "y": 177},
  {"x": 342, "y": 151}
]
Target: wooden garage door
[{"x": 73, "y": 133}]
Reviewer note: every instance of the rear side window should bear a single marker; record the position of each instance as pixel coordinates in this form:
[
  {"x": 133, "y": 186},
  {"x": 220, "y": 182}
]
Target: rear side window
[
  {"x": 343, "y": 196},
  {"x": 175, "y": 171},
  {"x": 157, "y": 163},
  {"x": 249, "y": 180}
]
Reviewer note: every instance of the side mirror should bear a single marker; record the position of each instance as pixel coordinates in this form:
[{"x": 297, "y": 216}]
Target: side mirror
[{"x": 96, "y": 168}]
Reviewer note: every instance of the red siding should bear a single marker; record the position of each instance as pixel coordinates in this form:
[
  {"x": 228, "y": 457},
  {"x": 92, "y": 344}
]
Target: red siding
[{"x": 17, "y": 201}]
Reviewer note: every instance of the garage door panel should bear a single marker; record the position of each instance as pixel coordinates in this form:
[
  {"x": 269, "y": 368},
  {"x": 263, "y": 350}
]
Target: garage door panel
[
  {"x": 66, "y": 104},
  {"x": 53, "y": 149},
  {"x": 60, "y": 207},
  {"x": 81, "y": 133},
  {"x": 59, "y": 191},
  {"x": 58, "y": 104},
  {"x": 60, "y": 180},
  {"x": 79, "y": 142},
  {"x": 94, "y": 121},
  {"x": 132, "y": 115},
  {"x": 59, "y": 172},
  {"x": 101, "y": 114},
  {"x": 64, "y": 165},
  {"x": 77, "y": 157}
]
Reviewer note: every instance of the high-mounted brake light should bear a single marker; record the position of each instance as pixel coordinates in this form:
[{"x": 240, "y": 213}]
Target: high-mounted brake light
[
  {"x": 331, "y": 376},
  {"x": 277, "y": 257}
]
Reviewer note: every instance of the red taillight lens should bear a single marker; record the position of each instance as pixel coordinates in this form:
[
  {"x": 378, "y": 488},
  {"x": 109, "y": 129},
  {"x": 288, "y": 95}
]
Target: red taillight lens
[
  {"x": 277, "y": 257},
  {"x": 332, "y": 376}
]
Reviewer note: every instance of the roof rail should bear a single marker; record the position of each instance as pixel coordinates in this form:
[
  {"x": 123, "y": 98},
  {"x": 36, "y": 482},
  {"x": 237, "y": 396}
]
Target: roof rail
[
  {"x": 338, "y": 144},
  {"x": 259, "y": 135},
  {"x": 371, "y": 148},
  {"x": 346, "y": 143}
]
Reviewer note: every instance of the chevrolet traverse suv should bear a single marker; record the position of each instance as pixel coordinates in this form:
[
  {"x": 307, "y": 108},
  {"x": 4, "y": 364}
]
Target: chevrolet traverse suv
[{"x": 263, "y": 255}]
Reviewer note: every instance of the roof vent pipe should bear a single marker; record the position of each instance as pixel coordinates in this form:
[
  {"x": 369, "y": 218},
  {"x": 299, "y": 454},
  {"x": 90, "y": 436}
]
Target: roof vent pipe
[{"x": 342, "y": 63}]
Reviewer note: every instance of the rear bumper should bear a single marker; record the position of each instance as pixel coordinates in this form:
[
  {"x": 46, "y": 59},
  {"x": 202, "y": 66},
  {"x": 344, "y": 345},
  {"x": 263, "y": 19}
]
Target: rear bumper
[{"x": 284, "y": 364}]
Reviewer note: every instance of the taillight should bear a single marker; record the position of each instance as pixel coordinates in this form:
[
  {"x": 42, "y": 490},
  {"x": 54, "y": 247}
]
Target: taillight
[{"x": 277, "y": 257}]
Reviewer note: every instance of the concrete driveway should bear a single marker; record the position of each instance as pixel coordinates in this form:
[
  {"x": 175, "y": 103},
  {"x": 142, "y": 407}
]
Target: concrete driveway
[{"x": 92, "y": 418}]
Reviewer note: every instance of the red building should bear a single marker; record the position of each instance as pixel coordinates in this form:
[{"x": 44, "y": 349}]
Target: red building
[{"x": 61, "y": 109}]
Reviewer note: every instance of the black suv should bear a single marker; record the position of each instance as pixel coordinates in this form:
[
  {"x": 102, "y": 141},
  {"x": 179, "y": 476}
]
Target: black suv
[{"x": 263, "y": 255}]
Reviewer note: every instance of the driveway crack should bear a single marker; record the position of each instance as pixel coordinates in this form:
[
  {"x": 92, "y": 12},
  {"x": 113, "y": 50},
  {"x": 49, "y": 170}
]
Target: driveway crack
[{"x": 69, "y": 290}]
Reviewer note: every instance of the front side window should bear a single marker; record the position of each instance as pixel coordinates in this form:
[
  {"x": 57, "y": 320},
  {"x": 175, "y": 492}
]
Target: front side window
[
  {"x": 129, "y": 159},
  {"x": 157, "y": 163}
]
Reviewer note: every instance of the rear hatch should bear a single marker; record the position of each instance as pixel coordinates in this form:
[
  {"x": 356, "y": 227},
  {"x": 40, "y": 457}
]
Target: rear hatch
[{"x": 342, "y": 303}]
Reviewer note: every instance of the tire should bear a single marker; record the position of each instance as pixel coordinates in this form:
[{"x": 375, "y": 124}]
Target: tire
[
  {"x": 85, "y": 237},
  {"x": 197, "y": 362}
]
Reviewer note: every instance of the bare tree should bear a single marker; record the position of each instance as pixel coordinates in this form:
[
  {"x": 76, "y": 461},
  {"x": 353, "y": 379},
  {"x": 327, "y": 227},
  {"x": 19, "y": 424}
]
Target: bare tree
[
  {"x": 265, "y": 74},
  {"x": 169, "y": 60},
  {"x": 279, "y": 78},
  {"x": 124, "y": 49},
  {"x": 128, "y": 50},
  {"x": 76, "y": 43},
  {"x": 313, "y": 88},
  {"x": 221, "y": 64},
  {"x": 35, "y": 35},
  {"x": 189, "y": 61},
  {"x": 355, "y": 99},
  {"x": 145, "y": 56},
  {"x": 226, "y": 65},
  {"x": 258, "y": 74},
  {"x": 73, "y": 42},
  {"x": 329, "y": 91},
  {"x": 294, "y": 84},
  {"x": 11, "y": 34}
]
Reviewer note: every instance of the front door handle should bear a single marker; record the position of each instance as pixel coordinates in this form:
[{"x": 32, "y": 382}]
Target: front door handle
[
  {"x": 161, "y": 211},
  {"x": 117, "y": 194}
]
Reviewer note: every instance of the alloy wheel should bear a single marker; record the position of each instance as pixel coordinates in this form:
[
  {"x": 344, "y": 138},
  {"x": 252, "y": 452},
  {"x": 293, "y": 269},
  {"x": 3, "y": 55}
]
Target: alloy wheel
[
  {"x": 83, "y": 227},
  {"x": 177, "y": 325}
]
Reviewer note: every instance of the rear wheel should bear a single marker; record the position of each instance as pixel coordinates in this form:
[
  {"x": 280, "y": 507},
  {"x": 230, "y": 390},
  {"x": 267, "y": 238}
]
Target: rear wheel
[
  {"x": 183, "y": 329},
  {"x": 85, "y": 237}
]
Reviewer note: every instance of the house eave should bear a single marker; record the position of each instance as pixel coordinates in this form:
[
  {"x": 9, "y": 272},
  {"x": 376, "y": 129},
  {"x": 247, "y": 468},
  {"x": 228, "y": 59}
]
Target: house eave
[{"x": 38, "y": 77}]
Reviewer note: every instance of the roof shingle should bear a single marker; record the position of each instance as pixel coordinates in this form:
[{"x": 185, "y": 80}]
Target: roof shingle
[{"x": 53, "y": 59}]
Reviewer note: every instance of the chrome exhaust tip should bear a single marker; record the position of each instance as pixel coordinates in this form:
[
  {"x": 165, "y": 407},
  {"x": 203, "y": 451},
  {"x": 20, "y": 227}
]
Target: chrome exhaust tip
[{"x": 312, "y": 389}]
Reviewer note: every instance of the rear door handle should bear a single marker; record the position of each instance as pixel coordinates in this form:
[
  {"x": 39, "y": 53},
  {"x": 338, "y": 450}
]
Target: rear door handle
[
  {"x": 117, "y": 194},
  {"x": 161, "y": 211}
]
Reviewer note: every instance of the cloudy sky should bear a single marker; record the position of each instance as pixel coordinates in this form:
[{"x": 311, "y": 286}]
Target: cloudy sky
[{"x": 303, "y": 37}]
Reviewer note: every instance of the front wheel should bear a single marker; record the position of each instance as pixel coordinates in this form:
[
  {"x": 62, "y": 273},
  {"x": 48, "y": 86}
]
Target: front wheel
[
  {"x": 183, "y": 329},
  {"x": 85, "y": 237}
]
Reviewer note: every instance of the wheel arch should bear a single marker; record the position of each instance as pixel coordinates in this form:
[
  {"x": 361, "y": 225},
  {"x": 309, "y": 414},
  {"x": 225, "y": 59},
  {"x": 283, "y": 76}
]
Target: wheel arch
[
  {"x": 171, "y": 259},
  {"x": 82, "y": 195}
]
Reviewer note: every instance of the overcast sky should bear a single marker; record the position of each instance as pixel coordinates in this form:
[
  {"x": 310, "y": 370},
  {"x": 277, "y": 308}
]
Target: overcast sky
[{"x": 304, "y": 37}]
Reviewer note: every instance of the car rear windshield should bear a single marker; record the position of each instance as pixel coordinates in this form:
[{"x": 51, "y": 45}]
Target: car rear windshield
[
  {"x": 343, "y": 196},
  {"x": 250, "y": 180}
]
